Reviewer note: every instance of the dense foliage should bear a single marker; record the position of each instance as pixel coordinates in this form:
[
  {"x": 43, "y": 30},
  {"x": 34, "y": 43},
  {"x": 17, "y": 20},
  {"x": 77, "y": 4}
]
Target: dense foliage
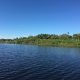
[{"x": 47, "y": 39}]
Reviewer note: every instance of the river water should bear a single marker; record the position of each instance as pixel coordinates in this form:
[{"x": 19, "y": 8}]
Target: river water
[{"x": 28, "y": 62}]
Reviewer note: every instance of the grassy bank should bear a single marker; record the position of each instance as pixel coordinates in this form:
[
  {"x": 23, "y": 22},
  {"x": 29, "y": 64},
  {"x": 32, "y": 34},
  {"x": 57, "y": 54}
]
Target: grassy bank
[
  {"x": 64, "y": 40},
  {"x": 53, "y": 42}
]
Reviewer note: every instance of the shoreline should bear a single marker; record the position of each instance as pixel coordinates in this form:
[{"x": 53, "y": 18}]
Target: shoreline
[
  {"x": 62, "y": 46},
  {"x": 63, "y": 40}
]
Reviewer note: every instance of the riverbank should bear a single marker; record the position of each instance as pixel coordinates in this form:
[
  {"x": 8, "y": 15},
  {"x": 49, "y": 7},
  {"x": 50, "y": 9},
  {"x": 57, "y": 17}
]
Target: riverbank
[
  {"x": 56, "y": 43},
  {"x": 47, "y": 42},
  {"x": 63, "y": 40}
]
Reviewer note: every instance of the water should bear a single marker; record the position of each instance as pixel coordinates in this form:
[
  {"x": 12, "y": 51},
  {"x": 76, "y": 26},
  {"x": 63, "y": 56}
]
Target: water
[{"x": 27, "y": 62}]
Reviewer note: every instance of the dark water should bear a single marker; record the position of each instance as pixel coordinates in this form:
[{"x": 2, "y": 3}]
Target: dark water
[{"x": 26, "y": 62}]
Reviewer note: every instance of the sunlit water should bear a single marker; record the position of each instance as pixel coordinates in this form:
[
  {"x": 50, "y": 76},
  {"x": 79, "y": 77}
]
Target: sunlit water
[{"x": 27, "y": 62}]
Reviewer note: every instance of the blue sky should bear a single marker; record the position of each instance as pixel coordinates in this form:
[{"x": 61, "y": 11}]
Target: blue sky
[{"x": 30, "y": 17}]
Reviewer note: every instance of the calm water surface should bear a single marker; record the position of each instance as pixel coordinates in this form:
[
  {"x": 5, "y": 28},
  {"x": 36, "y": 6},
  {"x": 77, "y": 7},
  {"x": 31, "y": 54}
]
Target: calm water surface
[{"x": 27, "y": 62}]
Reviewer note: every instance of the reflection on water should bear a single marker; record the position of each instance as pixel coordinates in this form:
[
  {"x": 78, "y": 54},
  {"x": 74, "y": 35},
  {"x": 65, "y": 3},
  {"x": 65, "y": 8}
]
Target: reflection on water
[{"x": 27, "y": 62}]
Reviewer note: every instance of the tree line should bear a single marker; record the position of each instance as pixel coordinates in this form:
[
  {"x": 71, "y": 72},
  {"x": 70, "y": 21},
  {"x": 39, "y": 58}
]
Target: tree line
[{"x": 46, "y": 39}]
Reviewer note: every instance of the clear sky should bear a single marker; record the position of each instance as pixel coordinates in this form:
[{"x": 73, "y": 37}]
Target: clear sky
[{"x": 30, "y": 17}]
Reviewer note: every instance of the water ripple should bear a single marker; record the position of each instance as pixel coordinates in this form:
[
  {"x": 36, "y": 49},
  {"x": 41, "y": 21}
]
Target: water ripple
[{"x": 27, "y": 62}]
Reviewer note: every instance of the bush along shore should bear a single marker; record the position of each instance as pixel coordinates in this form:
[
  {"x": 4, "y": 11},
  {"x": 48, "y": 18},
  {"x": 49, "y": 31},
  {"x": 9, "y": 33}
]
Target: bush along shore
[{"x": 63, "y": 40}]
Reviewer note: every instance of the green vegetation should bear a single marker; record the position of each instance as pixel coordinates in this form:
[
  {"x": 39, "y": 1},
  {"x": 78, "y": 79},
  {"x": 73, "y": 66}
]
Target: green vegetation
[{"x": 64, "y": 40}]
